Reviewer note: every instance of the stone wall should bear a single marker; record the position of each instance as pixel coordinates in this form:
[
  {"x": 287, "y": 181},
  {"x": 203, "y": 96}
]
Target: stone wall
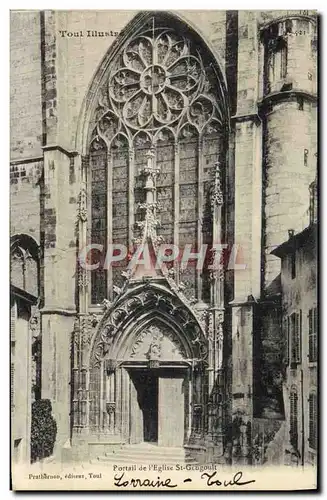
[
  {"x": 25, "y": 85},
  {"x": 288, "y": 175},
  {"x": 25, "y": 198},
  {"x": 25, "y": 123}
]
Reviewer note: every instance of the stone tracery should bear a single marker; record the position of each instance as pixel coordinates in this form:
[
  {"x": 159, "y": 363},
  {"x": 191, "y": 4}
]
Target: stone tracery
[
  {"x": 159, "y": 80},
  {"x": 150, "y": 299},
  {"x": 161, "y": 93}
]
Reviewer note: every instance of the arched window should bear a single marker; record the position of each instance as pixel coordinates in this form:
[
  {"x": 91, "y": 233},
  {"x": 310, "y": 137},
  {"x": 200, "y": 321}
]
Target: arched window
[
  {"x": 24, "y": 264},
  {"x": 161, "y": 92}
]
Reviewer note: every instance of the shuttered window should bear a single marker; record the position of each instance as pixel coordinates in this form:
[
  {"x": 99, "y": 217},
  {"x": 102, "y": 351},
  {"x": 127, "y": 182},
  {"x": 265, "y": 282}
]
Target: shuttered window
[
  {"x": 287, "y": 334},
  {"x": 294, "y": 418},
  {"x": 293, "y": 265},
  {"x": 295, "y": 337},
  {"x": 313, "y": 421},
  {"x": 12, "y": 374},
  {"x": 12, "y": 321},
  {"x": 313, "y": 334}
]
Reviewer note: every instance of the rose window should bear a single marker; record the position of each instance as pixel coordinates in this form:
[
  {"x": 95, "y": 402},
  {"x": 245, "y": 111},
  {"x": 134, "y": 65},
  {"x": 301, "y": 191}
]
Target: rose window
[
  {"x": 158, "y": 81},
  {"x": 159, "y": 89}
]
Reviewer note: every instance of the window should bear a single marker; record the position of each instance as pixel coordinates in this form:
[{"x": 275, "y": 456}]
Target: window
[
  {"x": 287, "y": 339},
  {"x": 313, "y": 421},
  {"x": 160, "y": 96},
  {"x": 283, "y": 61},
  {"x": 98, "y": 166},
  {"x": 293, "y": 417},
  {"x": 313, "y": 334},
  {"x": 12, "y": 375},
  {"x": 293, "y": 265},
  {"x": 276, "y": 65},
  {"x": 295, "y": 325},
  {"x": 313, "y": 208},
  {"x": 24, "y": 263}
]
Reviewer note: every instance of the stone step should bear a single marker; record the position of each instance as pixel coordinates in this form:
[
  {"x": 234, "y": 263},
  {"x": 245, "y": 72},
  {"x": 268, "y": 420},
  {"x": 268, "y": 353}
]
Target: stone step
[
  {"x": 147, "y": 454},
  {"x": 138, "y": 460},
  {"x": 148, "y": 459},
  {"x": 155, "y": 452}
]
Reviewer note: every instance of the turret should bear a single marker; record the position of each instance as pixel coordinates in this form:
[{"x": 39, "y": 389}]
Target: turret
[{"x": 288, "y": 111}]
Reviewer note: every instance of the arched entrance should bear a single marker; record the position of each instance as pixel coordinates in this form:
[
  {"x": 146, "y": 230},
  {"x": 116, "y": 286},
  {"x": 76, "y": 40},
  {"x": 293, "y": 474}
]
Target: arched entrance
[
  {"x": 158, "y": 367},
  {"x": 146, "y": 368}
]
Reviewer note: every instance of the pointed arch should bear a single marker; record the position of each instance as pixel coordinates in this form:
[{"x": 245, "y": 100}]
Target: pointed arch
[
  {"x": 108, "y": 126},
  {"x": 188, "y": 131},
  {"x": 133, "y": 27},
  {"x": 27, "y": 242},
  {"x": 163, "y": 134},
  {"x": 25, "y": 263},
  {"x": 161, "y": 86},
  {"x": 120, "y": 136},
  {"x": 142, "y": 305},
  {"x": 142, "y": 139}
]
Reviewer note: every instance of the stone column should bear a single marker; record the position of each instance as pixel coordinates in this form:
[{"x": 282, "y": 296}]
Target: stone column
[
  {"x": 248, "y": 203},
  {"x": 216, "y": 319},
  {"x": 58, "y": 312},
  {"x": 61, "y": 188}
]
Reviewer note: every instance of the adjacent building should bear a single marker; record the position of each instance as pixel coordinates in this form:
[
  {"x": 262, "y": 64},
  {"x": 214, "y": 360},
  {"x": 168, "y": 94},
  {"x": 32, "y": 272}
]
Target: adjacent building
[
  {"x": 300, "y": 326},
  {"x": 25, "y": 341}
]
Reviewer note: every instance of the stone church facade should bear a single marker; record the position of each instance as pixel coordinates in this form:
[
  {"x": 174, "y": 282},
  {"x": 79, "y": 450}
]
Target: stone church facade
[{"x": 184, "y": 128}]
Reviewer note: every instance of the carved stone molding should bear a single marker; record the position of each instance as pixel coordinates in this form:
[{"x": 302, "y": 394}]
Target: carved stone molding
[
  {"x": 151, "y": 300},
  {"x": 84, "y": 329},
  {"x": 220, "y": 331},
  {"x": 35, "y": 323},
  {"x": 110, "y": 407},
  {"x": 106, "y": 304},
  {"x": 158, "y": 342},
  {"x": 82, "y": 205},
  {"x": 83, "y": 278},
  {"x": 217, "y": 197},
  {"x": 110, "y": 365}
]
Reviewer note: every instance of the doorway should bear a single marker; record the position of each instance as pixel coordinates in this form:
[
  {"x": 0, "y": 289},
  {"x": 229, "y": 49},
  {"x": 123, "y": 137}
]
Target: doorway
[
  {"x": 158, "y": 406},
  {"x": 146, "y": 387}
]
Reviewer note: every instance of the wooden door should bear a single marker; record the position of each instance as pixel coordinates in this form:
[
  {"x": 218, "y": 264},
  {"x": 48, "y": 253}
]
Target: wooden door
[
  {"x": 136, "y": 414},
  {"x": 171, "y": 410}
]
